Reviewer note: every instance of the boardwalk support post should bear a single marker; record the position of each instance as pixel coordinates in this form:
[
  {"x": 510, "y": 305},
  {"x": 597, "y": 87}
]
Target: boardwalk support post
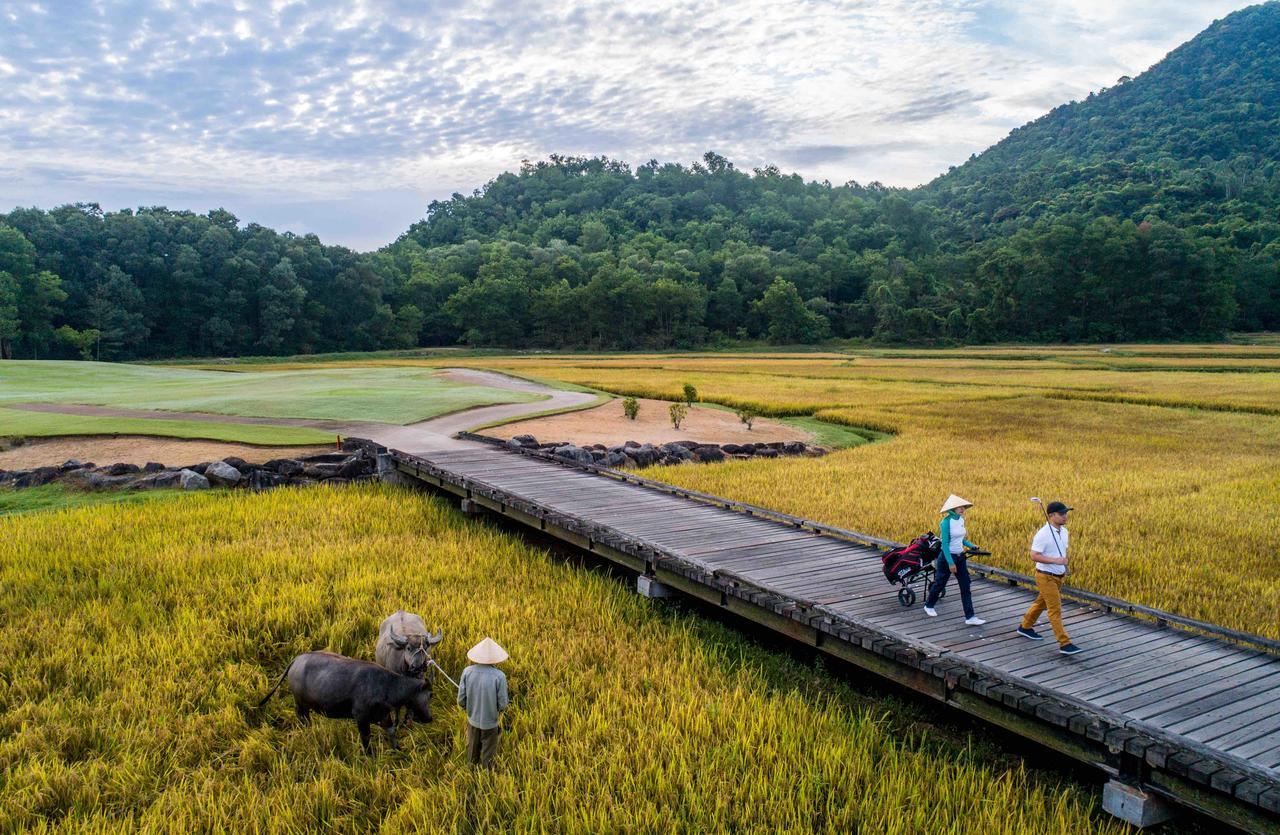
[
  {"x": 650, "y": 587},
  {"x": 470, "y": 507},
  {"x": 1134, "y": 806}
]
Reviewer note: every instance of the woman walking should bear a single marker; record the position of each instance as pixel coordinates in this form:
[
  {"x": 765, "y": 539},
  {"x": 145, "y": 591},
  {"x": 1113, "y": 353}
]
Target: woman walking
[{"x": 952, "y": 532}]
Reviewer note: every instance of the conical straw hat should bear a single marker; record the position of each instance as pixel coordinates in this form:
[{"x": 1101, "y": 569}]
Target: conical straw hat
[
  {"x": 487, "y": 652},
  {"x": 953, "y": 502}
]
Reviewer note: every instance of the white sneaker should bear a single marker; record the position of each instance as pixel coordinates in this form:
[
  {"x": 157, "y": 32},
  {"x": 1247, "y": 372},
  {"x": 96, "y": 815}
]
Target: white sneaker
[
  {"x": 933, "y": 613},
  {"x": 974, "y": 621}
]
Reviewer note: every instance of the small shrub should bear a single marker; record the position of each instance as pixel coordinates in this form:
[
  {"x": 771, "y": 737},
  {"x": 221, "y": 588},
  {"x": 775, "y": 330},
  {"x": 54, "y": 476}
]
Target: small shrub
[
  {"x": 747, "y": 416},
  {"x": 678, "y": 413},
  {"x": 690, "y": 394},
  {"x": 631, "y": 407}
]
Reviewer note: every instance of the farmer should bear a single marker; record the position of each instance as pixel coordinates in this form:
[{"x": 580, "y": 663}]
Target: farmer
[
  {"x": 1049, "y": 550},
  {"x": 482, "y": 693},
  {"x": 952, "y": 533}
]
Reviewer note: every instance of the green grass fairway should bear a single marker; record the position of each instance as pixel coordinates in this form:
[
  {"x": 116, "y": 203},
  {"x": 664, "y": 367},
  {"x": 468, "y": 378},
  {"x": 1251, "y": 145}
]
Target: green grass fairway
[
  {"x": 19, "y": 423},
  {"x": 386, "y": 395}
]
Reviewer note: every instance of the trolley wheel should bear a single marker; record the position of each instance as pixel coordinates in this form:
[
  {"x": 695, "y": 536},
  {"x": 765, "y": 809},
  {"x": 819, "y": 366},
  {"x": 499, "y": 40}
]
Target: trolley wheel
[{"x": 906, "y": 596}]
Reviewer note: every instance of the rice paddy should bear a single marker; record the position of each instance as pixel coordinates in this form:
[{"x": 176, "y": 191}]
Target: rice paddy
[{"x": 136, "y": 640}]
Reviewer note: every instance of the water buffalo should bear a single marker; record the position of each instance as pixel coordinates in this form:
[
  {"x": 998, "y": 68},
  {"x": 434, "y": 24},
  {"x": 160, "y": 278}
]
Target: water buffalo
[
  {"x": 404, "y": 645},
  {"x": 348, "y": 688}
]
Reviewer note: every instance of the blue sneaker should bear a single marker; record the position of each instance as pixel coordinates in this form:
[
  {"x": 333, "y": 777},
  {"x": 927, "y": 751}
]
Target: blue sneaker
[
  {"x": 1069, "y": 649},
  {"x": 1030, "y": 633}
]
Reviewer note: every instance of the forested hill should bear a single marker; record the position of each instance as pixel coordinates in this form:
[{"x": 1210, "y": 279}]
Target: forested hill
[
  {"x": 1195, "y": 139},
  {"x": 1148, "y": 211}
]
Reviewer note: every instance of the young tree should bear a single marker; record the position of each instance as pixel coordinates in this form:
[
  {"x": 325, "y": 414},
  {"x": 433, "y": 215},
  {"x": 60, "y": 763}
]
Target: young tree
[
  {"x": 631, "y": 407},
  {"x": 678, "y": 412},
  {"x": 747, "y": 416},
  {"x": 690, "y": 394}
]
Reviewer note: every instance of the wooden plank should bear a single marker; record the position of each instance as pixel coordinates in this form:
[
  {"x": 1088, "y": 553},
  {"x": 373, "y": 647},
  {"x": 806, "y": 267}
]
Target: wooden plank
[
  {"x": 1229, "y": 700},
  {"x": 1201, "y": 682},
  {"x": 1170, "y": 669},
  {"x": 1178, "y": 676}
]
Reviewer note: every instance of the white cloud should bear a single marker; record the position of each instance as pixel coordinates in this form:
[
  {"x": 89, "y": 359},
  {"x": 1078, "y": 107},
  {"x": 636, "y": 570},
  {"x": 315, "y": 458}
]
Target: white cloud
[{"x": 291, "y": 102}]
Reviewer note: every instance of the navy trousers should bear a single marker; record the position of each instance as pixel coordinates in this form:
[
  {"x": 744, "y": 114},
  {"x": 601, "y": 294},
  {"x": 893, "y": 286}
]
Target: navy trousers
[{"x": 942, "y": 573}]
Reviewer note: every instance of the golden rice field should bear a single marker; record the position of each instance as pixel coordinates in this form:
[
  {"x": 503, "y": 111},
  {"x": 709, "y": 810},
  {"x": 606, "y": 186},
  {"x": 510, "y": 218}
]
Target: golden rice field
[
  {"x": 1176, "y": 503},
  {"x": 136, "y": 640}
]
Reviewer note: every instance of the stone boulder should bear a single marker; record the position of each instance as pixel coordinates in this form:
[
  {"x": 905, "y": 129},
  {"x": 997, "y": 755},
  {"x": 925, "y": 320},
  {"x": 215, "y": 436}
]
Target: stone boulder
[
  {"x": 283, "y": 466},
  {"x": 577, "y": 454},
  {"x": 222, "y": 474},
  {"x": 523, "y": 441},
  {"x": 767, "y": 452},
  {"x": 322, "y": 470},
  {"x": 709, "y": 454},
  {"x": 239, "y": 463},
  {"x": 355, "y": 467},
  {"x": 37, "y": 477},
  {"x": 121, "y": 469},
  {"x": 189, "y": 479},
  {"x": 73, "y": 464},
  {"x": 152, "y": 467},
  {"x": 793, "y": 448},
  {"x": 161, "y": 480}
]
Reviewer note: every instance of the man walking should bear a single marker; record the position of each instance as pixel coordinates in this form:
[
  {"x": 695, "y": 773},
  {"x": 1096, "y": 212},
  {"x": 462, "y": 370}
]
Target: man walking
[
  {"x": 1049, "y": 550},
  {"x": 482, "y": 693}
]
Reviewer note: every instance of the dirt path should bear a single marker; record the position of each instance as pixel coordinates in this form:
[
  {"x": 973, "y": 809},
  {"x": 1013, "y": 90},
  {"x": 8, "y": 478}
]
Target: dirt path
[
  {"x": 608, "y": 425},
  {"x": 128, "y": 449}
]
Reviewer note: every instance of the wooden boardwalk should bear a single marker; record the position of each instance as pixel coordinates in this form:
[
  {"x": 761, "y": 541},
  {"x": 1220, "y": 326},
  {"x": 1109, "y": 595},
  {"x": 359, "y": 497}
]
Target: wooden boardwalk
[{"x": 1186, "y": 710}]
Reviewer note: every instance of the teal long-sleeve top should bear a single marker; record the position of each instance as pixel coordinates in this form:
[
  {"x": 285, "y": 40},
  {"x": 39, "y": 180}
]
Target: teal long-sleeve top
[
  {"x": 944, "y": 533},
  {"x": 482, "y": 693}
]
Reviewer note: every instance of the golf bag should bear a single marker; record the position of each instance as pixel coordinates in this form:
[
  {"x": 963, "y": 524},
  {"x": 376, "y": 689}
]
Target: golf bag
[{"x": 902, "y": 565}]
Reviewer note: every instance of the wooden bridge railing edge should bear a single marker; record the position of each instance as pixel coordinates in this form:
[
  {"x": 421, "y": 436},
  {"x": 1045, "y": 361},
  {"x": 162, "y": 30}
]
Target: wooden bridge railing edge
[{"x": 1105, "y": 602}]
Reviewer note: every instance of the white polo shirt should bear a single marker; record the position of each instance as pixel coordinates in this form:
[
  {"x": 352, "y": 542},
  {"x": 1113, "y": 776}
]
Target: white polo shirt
[{"x": 1052, "y": 542}]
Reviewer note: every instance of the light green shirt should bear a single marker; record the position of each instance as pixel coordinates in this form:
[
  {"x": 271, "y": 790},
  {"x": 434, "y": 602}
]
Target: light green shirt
[{"x": 482, "y": 693}]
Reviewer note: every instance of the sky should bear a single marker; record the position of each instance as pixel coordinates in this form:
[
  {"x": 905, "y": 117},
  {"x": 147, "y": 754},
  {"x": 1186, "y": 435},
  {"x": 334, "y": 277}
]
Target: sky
[{"x": 346, "y": 118}]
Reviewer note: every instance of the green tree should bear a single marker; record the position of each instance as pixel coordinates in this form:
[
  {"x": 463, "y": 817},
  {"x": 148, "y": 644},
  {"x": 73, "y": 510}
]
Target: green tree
[{"x": 786, "y": 317}]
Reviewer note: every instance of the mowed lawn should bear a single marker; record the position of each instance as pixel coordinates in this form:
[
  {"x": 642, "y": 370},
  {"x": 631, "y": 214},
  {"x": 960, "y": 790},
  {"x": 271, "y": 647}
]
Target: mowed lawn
[
  {"x": 136, "y": 641},
  {"x": 384, "y": 395}
]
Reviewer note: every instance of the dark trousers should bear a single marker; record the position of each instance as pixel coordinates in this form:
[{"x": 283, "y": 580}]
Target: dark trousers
[
  {"x": 482, "y": 745},
  {"x": 942, "y": 573}
]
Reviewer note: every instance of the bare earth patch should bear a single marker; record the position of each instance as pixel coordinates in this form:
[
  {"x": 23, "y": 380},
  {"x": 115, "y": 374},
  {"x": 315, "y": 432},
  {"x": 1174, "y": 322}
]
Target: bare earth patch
[
  {"x": 129, "y": 449},
  {"x": 606, "y": 424}
]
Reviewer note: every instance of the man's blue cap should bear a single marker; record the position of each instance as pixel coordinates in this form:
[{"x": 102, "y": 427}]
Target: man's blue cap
[{"x": 1058, "y": 507}]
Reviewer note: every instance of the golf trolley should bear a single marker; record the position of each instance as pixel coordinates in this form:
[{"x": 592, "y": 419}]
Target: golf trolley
[{"x": 915, "y": 563}]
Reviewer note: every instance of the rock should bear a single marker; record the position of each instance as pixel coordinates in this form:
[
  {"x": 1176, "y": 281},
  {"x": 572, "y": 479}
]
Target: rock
[
  {"x": 121, "y": 469},
  {"x": 815, "y": 451},
  {"x": 628, "y": 461},
  {"x": 614, "y": 459},
  {"x": 189, "y": 479},
  {"x": 321, "y": 471},
  {"x": 301, "y": 481},
  {"x": 598, "y": 447},
  {"x": 731, "y": 449},
  {"x": 569, "y": 452},
  {"x": 523, "y": 441},
  {"x": 152, "y": 467},
  {"x": 222, "y": 474},
  {"x": 645, "y": 455},
  {"x": 689, "y": 445},
  {"x": 793, "y": 448},
  {"x": 239, "y": 463},
  {"x": 73, "y": 464},
  {"x": 767, "y": 452},
  {"x": 36, "y": 477},
  {"x": 355, "y": 467},
  {"x": 778, "y": 445},
  {"x": 265, "y": 480},
  {"x": 630, "y": 444},
  {"x": 283, "y": 466},
  {"x": 97, "y": 480},
  {"x": 709, "y": 454},
  {"x": 162, "y": 480},
  {"x": 198, "y": 468},
  {"x": 325, "y": 458}
]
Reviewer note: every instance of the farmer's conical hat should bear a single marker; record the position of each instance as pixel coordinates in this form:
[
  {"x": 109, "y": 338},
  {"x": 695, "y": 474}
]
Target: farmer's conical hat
[
  {"x": 953, "y": 502},
  {"x": 487, "y": 652}
]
